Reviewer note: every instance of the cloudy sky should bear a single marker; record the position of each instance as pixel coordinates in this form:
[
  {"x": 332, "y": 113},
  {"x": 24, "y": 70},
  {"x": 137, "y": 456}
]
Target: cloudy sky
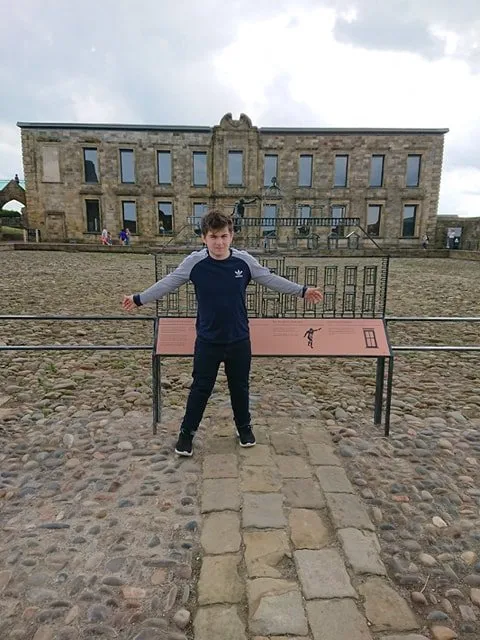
[{"x": 325, "y": 63}]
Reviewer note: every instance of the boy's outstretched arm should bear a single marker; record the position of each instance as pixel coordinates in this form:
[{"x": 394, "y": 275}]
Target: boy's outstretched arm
[
  {"x": 263, "y": 275},
  {"x": 169, "y": 283}
]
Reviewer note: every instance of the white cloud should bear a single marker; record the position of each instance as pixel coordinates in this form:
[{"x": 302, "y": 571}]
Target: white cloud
[{"x": 346, "y": 86}]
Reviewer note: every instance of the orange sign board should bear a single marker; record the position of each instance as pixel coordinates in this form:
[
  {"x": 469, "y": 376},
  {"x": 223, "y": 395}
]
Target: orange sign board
[{"x": 362, "y": 337}]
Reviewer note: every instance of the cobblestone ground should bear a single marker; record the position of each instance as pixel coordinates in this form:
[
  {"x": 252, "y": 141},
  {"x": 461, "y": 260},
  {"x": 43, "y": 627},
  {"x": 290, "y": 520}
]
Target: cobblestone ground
[{"x": 325, "y": 530}]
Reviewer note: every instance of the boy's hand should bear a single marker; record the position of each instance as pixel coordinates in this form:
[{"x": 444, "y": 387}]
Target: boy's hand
[
  {"x": 312, "y": 294},
  {"x": 128, "y": 303}
]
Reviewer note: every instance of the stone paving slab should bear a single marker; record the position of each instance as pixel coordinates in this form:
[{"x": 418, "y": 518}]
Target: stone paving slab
[
  {"x": 260, "y": 455},
  {"x": 221, "y": 533},
  {"x": 323, "y": 574},
  {"x": 284, "y": 444},
  {"x": 219, "y": 623},
  {"x": 260, "y": 479},
  {"x": 303, "y": 493},
  {"x": 220, "y": 465},
  {"x": 337, "y": 620},
  {"x": 263, "y": 511},
  {"x": 322, "y": 454},
  {"x": 347, "y": 511},
  {"x": 385, "y": 608},
  {"x": 275, "y": 607},
  {"x": 293, "y": 467},
  {"x": 308, "y": 529},
  {"x": 219, "y": 495},
  {"x": 219, "y": 580},
  {"x": 264, "y": 550},
  {"x": 362, "y": 550},
  {"x": 334, "y": 480}
]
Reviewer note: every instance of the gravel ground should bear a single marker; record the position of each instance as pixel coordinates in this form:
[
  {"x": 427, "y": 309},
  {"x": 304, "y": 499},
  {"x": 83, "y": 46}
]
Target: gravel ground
[{"x": 74, "y": 430}]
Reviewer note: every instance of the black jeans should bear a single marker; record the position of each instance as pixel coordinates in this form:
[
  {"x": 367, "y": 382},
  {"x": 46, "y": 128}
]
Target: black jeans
[{"x": 206, "y": 361}]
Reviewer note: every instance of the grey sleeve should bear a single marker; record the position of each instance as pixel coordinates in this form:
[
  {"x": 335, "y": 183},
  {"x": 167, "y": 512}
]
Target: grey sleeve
[
  {"x": 262, "y": 275},
  {"x": 173, "y": 280}
]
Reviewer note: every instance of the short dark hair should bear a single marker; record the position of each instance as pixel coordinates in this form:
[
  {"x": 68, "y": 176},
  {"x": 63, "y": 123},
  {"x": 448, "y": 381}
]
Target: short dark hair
[{"x": 214, "y": 221}]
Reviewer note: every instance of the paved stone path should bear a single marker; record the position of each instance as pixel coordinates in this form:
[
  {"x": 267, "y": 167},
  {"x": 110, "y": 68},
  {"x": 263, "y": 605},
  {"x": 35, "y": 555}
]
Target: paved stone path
[{"x": 288, "y": 547}]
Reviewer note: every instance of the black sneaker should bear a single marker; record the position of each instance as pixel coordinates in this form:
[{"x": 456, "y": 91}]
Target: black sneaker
[
  {"x": 246, "y": 436},
  {"x": 184, "y": 444}
]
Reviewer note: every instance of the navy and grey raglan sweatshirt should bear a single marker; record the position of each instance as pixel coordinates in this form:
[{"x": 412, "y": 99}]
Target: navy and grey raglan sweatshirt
[{"x": 220, "y": 287}]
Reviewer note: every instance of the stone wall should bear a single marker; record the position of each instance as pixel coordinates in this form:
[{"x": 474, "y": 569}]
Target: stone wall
[
  {"x": 470, "y": 232},
  {"x": 56, "y": 194}
]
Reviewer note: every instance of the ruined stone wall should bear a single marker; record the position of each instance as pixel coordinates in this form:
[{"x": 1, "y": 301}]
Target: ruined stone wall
[{"x": 57, "y": 191}]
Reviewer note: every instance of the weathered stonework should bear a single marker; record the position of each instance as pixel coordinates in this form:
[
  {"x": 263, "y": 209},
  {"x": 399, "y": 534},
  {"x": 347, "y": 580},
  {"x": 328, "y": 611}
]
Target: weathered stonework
[{"x": 57, "y": 206}]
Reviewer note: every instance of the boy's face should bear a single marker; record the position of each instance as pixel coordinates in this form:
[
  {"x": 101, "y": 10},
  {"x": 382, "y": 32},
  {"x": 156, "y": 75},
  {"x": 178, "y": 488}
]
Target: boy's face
[{"x": 218, "y": 243}]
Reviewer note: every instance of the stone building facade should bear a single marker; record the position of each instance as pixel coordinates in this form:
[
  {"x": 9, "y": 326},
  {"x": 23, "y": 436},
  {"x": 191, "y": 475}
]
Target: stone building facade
[{"x": 81, "y": 178}]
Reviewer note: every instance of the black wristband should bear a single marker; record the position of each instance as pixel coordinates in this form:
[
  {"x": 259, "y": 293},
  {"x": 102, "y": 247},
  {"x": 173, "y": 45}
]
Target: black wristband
[
  {"x": 136, "y": 299},
  {"x": 304, "y": 290}
]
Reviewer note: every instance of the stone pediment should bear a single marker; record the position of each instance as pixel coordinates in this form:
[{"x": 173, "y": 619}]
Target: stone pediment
[
  {"x": 12, "y": 191},
  {"x": 228, "y": 123}
]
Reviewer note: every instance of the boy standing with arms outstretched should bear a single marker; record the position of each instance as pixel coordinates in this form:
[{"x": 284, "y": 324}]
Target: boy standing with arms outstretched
[{"x": 220, "y": 275}]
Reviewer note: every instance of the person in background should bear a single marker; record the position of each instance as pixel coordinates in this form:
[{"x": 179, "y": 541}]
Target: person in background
[{"x": 425, "y": 241}]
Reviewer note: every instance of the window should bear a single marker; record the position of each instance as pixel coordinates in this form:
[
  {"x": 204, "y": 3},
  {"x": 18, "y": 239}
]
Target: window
[
  {"x": 200, "y": 168},
  {"x": 304, "y": 211},
  {"x": 338, "y": 211},
  {"x": 409, "y": 220},
  {"x": 90, "y": 165},
  {"x": 305, "y": 171},
  {"x": 92, "y": 209},
  {"x": 269, "y": 169},
  {"x": 235, "y": 168},
  {"x": 199, "y": 209},
  {"x": 341, "y": 171},
  {"x": 376, "y": 171},
  {"x": 413, "y": 170},
  {"x": 373, "y": 219},
  {"x": 269, "y": 215},
  {"x": 51, "y": 164},
  {"x": 127, "y": 165},
  {"x": 165, "y": 218},
  {"x": 129, "y": 215},
  {"x": 164, "y": 162}
]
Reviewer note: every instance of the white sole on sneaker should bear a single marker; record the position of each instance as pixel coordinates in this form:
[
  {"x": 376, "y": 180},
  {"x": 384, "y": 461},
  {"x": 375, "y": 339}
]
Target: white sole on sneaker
[
  {"x": 185, "y": 454},
  {"x": 248, "y": 444}
]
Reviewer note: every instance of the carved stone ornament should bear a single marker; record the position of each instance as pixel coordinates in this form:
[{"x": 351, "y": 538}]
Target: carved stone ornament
[{"x": 227, "y": 122}]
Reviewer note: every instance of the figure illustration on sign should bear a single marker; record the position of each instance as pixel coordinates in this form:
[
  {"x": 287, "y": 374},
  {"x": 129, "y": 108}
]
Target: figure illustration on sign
[{"x": 309, "y": 336}]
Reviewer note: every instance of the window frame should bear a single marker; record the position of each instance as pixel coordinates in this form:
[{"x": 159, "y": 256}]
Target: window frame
[
  {"x": 310, "y": 156},
  {"x": 416, "y": 208},
  {"x": 97, "y": 168},
  {"x": 167, "y": 232},
  {"x": 267, "y": 231},
  {"x": 132, "y": 151},
  {"x": 124, "y": 226},
  {"x": 340, "y": 228},
  {"x": 379, "y": 223},
  {"x": 347, "y": 163},
  {"x": 164, "y": 152},
  {"x": 382, "y": 175},
  {"x": 87, "y": 201},
  {"x": 419, "y": 171},
  {"x": 55, "y": 147},
  {"x": 194, "y": 155},
  {"x": 265, "y": 156},
  {"x": 231, "y": 153}
]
